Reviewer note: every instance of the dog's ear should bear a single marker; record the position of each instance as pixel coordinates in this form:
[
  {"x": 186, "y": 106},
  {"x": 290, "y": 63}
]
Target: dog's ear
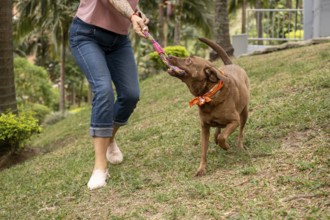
[
  {"x": 214, "y": 75},
  {"x": 211, "y": 74}
]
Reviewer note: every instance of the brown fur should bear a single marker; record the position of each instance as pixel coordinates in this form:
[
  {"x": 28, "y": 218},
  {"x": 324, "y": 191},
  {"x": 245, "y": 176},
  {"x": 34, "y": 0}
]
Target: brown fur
[{"x": 229, "y": 106}]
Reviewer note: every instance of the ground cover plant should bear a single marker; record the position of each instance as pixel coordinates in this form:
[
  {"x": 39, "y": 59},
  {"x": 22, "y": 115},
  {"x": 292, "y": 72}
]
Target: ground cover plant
[{"x": 283, "y": 174}]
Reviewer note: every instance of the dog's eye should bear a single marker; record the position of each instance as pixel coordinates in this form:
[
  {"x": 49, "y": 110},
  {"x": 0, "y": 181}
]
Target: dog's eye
[{"x": 188, "y": 61}]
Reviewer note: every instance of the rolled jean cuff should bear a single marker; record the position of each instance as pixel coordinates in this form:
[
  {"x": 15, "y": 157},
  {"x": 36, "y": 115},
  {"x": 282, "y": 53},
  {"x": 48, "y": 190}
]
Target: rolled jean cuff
[
  {"x": 100, "y": 132},
  {"x": 118, "y": 124}
]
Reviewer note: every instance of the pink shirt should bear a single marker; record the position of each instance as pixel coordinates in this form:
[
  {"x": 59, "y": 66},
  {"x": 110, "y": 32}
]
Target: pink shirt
[{"x": 101, "y": 13}]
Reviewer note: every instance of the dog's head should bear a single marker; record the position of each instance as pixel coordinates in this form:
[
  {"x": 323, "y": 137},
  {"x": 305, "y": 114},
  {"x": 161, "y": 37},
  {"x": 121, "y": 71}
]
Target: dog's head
[{"x": 200, "y": 74}]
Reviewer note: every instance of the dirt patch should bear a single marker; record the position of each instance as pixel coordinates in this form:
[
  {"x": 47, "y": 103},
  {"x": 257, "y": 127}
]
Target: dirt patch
[
  {"x": 294, "y": 140},
  {"x": 12, "y": 159}
]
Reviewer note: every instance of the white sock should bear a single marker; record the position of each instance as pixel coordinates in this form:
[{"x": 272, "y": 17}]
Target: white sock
[
  {"x": 114, "y": 155},
  {"x": 98, "y": 179}
]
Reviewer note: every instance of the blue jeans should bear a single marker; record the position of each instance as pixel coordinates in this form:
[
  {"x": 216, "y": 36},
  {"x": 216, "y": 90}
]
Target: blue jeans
[{"x": 106, "y": 58}]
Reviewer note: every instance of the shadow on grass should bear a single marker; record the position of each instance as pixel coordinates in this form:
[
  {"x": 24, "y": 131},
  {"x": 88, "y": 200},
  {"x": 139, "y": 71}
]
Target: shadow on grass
[{"x": 11, "y": 159}]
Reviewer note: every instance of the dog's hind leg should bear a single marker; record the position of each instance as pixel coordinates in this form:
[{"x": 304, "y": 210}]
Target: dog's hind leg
[{"x": 243, "y": 119}]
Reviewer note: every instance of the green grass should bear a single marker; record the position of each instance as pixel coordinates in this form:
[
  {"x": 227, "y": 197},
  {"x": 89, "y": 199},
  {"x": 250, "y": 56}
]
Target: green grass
[{"x": 283, "y": 174}]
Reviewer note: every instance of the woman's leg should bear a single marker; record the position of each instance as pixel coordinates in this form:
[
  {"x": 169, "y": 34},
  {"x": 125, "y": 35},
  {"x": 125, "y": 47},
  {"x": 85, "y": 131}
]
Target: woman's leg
[
  {"x": 100, "y": 148},
  {"x": 114, "y": 154},
  {"x": 114, "y": 131},
  {"x": 100, "y": 172},
  {"x": 91, "y": 59},
  {"x": 93, "y": 63},
  {"x": 124, "y": 75}
]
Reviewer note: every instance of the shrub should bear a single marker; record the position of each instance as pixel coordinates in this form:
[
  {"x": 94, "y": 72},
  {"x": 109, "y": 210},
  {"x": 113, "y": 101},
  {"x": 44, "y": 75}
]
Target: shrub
[
  {"x": 33, "y": 84},
  {"x": 178, "y": 51},
  {"x": 38, "y": 111},
  {"x": 16, "y": 130},
  {"x": 54, "y": 118},
  {"x": 295, "y": 34}
]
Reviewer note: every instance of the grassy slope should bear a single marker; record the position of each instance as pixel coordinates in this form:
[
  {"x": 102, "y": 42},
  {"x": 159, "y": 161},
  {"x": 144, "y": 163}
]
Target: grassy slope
[{"x": 284, "y": 174}]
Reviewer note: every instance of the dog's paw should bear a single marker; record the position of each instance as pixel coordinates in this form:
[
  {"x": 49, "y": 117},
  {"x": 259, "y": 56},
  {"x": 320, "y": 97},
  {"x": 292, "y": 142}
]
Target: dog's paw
[
  {"x": 200, "y": 172},
  {"x": 224, "y": 146}
]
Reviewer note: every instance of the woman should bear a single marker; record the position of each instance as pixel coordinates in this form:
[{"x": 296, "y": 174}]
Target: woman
[{"x": 101, "y": 47}]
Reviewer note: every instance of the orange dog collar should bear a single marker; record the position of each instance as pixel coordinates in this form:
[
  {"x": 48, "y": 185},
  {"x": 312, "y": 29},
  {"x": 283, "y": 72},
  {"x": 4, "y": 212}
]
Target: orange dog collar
[{"x": 201, "y": 100}]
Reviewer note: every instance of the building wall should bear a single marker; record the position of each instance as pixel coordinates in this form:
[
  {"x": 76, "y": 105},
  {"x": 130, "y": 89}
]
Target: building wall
[
  {"x": 308, "y": 19},
  {"x": 316, "y": 18},
  {"x": 324, "y": 18}
]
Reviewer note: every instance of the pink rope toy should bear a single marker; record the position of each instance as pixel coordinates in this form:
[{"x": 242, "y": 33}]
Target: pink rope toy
[{"x": 163, "y": 56}]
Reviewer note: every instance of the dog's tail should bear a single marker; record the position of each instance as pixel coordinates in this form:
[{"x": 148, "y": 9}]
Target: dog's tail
[{"x": 222, "y": 53}]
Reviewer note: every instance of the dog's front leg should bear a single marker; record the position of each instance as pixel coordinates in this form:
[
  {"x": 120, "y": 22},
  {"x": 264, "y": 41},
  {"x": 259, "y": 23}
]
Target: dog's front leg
[
  {"x": 205, "y": 135},
  {"x": 222, "y": 137}
]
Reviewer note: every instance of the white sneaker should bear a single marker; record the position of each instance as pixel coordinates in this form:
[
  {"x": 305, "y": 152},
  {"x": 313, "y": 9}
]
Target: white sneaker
[
  {"x": 98, "y": 179},
  {"x": 114, "y": 155}
]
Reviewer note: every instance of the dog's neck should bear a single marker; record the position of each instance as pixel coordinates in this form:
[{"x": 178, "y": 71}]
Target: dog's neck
[{"x": 207, "y": 96}]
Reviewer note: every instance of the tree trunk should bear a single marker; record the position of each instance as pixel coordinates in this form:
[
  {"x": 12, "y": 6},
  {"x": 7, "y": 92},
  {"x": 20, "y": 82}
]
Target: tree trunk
[
  {"x": 244, "y": 6},
  {"x": 161, "y": 21},
  {"x": 62, "y": 70},
  {"x": 177, "y": 27},
  {"x": 289, "y": 4},
  {"x": 81, "y": 92},
  {"x": 259, "y": 22},
  {"x": 90, "y": 95},
  {"x": 7, "y": 81},
  {"x": 73, "y": 96},
  {"x": 165, "y": 30},
  {"x": 221, "y": 28}
]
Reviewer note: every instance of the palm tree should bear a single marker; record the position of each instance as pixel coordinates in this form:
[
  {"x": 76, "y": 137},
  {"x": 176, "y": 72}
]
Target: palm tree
[
  {"x": 259, "y": 22},
  {"x": 162, "y": 23},
  {"x": 244, "y": 6},
  {"x": 195, "y": 13},
  {"x": 221, "y": 28},
  {"x": 173, "y": 15},
  {"x": 52, "y": 18},
  {"x": 234, "y": 5},
  {"x": 7, "y": 83},
  {"x": 288, "y": 4},
  {"x": 177, "y": 27},
  {"x": 61, "y": 14}
]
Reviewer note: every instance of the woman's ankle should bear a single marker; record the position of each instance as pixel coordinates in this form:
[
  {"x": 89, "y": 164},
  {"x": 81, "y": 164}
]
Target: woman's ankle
[{"x": 100, "y": 166}]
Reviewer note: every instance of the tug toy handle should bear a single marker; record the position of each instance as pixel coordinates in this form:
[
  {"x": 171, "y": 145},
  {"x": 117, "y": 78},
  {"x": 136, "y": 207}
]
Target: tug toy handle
[{"x": 163, "y": 55}]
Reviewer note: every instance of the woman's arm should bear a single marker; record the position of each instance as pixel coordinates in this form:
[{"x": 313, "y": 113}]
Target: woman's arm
[
  {"x": 123, "y": 7},
  {"x": 126, "y": 10}
]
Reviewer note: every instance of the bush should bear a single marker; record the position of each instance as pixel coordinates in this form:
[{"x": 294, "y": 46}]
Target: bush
[
  {"x": 38, "y": 111},
  {"x": 178, "y": 51},
  {"x": 33, "y": 84},
  {"x": 16, "y": 130},
  {"x": 295, "y": 34},
  {"x": 54, "y": 118}
]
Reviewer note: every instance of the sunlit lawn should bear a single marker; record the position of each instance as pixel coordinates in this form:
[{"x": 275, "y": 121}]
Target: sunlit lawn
[{"x": 283, "y": 174}]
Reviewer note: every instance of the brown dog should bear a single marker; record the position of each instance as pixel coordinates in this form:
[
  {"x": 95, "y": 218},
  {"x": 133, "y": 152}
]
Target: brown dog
[{"x": 221, "y": 94}]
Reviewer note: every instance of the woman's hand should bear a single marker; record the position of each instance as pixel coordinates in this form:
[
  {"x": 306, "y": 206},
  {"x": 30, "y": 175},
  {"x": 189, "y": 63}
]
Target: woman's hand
[
  {"x": 144, "y": 17},
  {"x": 139, "y": 22},
  {"x": 138, "y": 19}
]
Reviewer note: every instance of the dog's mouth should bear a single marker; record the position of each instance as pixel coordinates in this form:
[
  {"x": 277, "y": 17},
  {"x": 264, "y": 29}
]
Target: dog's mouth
[
  {"x": 176, "y": 73},
  {"x": 172, "y": 60},
  {"x": 175, "y": 69}
]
